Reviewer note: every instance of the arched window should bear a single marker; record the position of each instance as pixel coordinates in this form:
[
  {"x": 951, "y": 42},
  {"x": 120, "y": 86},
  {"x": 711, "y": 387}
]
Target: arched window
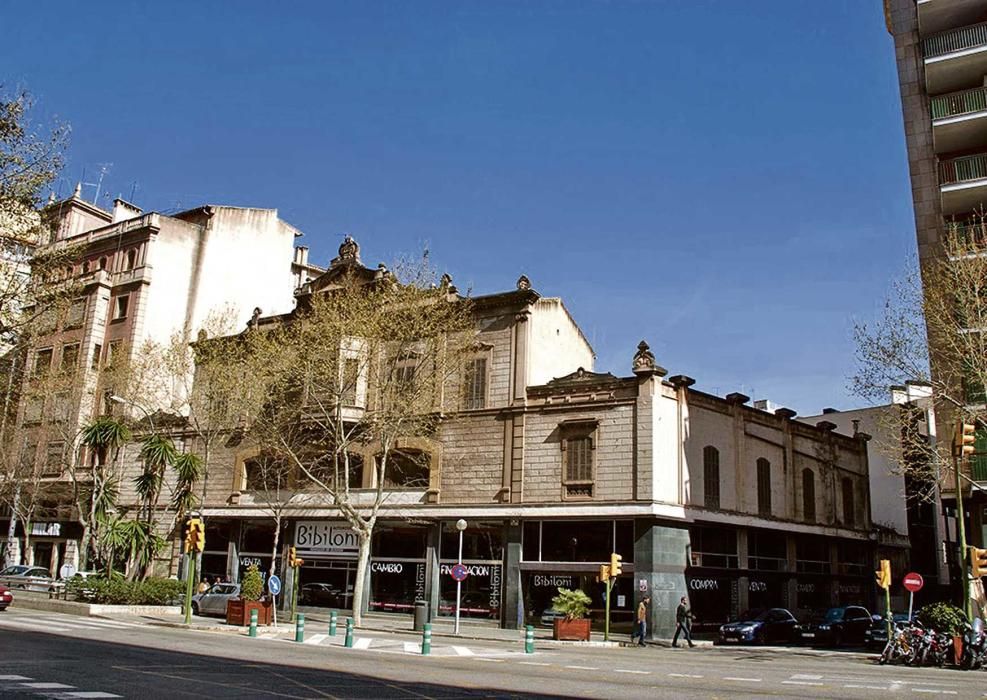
[
  {"x": 848, "y": 505},
  {"x": 763, "y": 486},
  {"x": 809, "y": 494},
  {"x": 103, "y": 262},
  {"x": 131, "y": 259},
  {"x": 711, "y": 477}
]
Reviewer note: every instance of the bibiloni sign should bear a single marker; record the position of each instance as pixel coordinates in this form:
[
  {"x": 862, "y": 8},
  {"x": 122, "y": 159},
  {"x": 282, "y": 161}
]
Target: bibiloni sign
[{"x": 322, "y": 537}]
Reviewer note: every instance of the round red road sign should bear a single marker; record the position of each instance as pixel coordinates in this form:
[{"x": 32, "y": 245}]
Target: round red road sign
[
  {"x": 459, "y": 572},
  {"x": 913, "y": 582}
]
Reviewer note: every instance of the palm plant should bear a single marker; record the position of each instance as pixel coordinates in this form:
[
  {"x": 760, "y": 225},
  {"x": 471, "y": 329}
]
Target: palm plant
[
  {"x": 157, "y": 453},
  {"x": 103, "y": 438}
]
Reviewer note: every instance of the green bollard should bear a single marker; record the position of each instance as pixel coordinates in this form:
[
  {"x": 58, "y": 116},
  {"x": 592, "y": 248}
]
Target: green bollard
[
  {"x": 427, "y": 639},
  {"x": 529, "y": 640},
  {"x": 299, "y": 628},
  {"x": 348, "y": 642},
  {"x": 332, "y": 623},
  {"x": 253, "y": 622}
]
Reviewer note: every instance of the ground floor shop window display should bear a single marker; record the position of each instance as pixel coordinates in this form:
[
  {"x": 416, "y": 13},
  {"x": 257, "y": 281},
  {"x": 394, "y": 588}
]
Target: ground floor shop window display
[
  {"x": 712, "y": 598},
  {"x": 483, "y": 552},
  {"x": 397, "y": 566},
  {"x": 539, "y": 587}
]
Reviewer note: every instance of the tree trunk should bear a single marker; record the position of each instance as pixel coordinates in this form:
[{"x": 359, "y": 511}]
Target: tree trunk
[
  {"x": 28, "y": 555},
  {"x": 12, "y": 528},
  {"x": 274, "y": 549},
  {"x": 362, "y": 561}
]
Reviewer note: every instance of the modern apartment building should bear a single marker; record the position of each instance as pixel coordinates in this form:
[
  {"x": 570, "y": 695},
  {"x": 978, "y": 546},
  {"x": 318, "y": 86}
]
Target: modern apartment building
[{"x": 139, "y": 276}]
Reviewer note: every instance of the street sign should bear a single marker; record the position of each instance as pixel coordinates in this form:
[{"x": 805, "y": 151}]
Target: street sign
[
  {"x": 274, "y": 585},
  {"x": 913, "y": 582},
  {"x": 459, "y": 572},
  {"x": 67, "y": 571}
]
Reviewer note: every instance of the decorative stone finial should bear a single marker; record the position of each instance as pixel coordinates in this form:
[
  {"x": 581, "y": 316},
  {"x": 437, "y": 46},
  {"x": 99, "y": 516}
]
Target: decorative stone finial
[
  {"x": 523, "y": 283},
  {"x": 78, "y": 190},
  {"x": 644, "y": 363},
  {"x": 445, "y": 280},
  {"x": 51, "y": 197},
  {"x": 349, "y": 250},
  {"x": 202, "y": 335},
  {"x": 255, "y": 317}
]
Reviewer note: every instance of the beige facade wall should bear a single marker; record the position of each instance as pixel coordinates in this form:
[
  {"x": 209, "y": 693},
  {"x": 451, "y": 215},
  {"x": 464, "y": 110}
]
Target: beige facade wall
[{"x": 557, "y": 346}]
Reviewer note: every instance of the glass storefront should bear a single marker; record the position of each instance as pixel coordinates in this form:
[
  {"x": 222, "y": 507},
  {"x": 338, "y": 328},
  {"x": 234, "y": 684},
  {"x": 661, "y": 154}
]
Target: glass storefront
[
  {"x": 397, "y": 567},
  {"x": 483, "y": 552}
]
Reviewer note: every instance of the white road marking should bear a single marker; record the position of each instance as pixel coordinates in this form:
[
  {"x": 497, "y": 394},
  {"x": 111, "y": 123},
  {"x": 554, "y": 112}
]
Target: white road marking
[
  {"x": 363, "y": 643},
  {"x": 88, "y": 694},
  {"x": 806, "y": 677},
  {"x": 866, "y": 687},
  {"x": 627, "y": 670},
  {"x": 15, "y": 678},
  {"x": 462, "y": 651},
  {"x": 584, "y": 668},
  {"x": 801, "y": 683},
  {"x": 316, "y": 639},
  {"x": 742, "y": 680},
  {"x": 412, "y": 648},
  {"x": 47, "y": 686},
  {"x": 934, "y": 691},
  {"x": 487, "y": 658},
  {"x": 35, "y": 627},
  {"x": 684, "y": 675},
  {"x": 534, "y": 663}
]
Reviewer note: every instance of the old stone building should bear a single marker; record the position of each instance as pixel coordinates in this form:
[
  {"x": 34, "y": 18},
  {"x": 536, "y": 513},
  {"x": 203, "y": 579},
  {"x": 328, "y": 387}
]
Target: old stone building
[{"x": 555, "y": 467}]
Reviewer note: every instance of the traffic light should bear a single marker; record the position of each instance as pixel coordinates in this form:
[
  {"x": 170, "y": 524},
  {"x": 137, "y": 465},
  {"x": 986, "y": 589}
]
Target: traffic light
[
  {"x": 195, "y": 536},
  {"x": 292, "y": 556},
  {"x": 965, "y": 439},
  {"x": 978, "y": 561},
  {"x": 883, "y": 575},
  {"x": 615, "y": 560},
  {"x": 604, "y": 573}
]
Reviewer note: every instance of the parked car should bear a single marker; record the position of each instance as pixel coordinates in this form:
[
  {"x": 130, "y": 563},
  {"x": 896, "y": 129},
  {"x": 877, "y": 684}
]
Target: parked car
[
  {"x": 6, "y": 598},
  {"x": 877, "y": 635},
  {"x": 549, "y": 616},
  {"x": 213, "y": 601},
  {"x": 836, "y": 627},
  {"x": 23, "y": 577},
  {"x": 761, "y": 627},
  {"x": 320, "y": 594}
]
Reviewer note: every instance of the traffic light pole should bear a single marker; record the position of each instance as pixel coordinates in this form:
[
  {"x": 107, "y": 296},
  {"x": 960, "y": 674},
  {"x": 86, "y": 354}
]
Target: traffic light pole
[
  {"x": 189, "y": 586},
  {"x": 961, "y": 536},
  {"x": 606, "y": 620}
]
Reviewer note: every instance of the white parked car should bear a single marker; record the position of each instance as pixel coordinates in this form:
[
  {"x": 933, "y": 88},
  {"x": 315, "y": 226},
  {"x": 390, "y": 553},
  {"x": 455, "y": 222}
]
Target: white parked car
[{"x": 213, "y": 601}]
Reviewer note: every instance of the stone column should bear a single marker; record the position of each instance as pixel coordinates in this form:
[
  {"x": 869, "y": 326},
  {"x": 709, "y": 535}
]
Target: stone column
[
  {"x": 511, "y": 614},
  {"x": 792, "y": 553},
  {"x": 432, "y": 575},
  {"x": 743, "y": 582},
  {"x": 660, "y": 558}
]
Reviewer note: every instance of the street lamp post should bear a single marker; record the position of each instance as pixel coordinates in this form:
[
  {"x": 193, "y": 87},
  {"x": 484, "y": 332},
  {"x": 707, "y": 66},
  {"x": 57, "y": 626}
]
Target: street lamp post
[{"x": 461, "y": 526}]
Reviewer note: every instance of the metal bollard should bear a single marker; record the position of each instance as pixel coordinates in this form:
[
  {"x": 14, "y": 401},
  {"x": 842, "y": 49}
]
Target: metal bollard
[
  {"x": 253, "y": 622},
  {"x": 348, "y": 642},
  {"x": 299, "y": 628},
  {"x": 529, "y": 640},
  {"x": 427, "y": 639},
  {"x": 332, "y": 623}
]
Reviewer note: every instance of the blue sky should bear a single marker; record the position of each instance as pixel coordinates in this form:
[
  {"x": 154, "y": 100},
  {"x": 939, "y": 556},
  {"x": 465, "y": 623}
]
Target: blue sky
[{"x": 726, "y": 180}]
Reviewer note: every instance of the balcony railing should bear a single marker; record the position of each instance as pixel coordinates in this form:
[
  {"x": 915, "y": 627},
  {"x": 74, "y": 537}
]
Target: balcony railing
[
  {"x": 957, "y": 103},
  {"x": 978, "y": 467},
  {"x": 955, "y": 40},
  {"x": 963, "y": 169}
]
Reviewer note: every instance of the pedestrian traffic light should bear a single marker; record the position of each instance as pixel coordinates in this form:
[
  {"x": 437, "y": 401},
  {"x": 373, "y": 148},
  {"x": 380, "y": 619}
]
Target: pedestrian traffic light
[
  {"x": 978, "y": 560},
  {"x": 604, "y": 573},
  {"x": 883, "y": 575},
  {"x": 965, "y": 439},
  {"x": 615, "y": 560},
  {"x": 195, "y": 536}
]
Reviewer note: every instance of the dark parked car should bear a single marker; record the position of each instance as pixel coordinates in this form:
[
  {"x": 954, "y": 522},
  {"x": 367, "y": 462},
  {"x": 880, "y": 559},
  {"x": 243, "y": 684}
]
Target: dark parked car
[
  {"x": 320, "y": 594},
  {"x": 761, "y": 627},
  {"x": 836, "y": 627},
  {"x": 877, "y": 635}
]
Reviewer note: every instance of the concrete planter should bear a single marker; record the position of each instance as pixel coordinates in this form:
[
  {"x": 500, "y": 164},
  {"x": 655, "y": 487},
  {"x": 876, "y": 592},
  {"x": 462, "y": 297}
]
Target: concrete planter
[
  {"x": 571, "y": 630},
  {"x": 43, "y": 602},
  {"x": 238, "y": 612}
]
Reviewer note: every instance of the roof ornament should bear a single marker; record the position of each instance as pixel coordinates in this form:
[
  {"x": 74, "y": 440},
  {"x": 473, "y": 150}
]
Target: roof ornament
[
  {"x": 202, "y": 335},
  {"x": 255, "y": 317},
  {"x": 349, "y": 252},
  {"x": 523, "y": 283},
  {"x": 78, "y": 190},
  {"x": 644, "y": 362}
]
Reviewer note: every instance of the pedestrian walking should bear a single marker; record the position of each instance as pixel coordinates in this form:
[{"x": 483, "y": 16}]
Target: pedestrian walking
[
  {"x": 683, "y": 623},
  {"x": 641, "y": 622}
]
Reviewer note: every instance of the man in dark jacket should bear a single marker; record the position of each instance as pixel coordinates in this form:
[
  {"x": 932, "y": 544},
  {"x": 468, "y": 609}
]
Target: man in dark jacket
[{"x": 683, "y": 623}]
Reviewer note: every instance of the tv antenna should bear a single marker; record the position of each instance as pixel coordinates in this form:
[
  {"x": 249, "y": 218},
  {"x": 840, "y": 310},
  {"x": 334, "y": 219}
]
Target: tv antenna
[{"x": 103, "y": 169}]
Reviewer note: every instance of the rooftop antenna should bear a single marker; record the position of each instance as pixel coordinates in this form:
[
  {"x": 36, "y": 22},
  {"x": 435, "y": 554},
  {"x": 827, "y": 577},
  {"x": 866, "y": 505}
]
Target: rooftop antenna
[
  {"x": 133, "y": 191},
  {"x": 103, "y": 169}
]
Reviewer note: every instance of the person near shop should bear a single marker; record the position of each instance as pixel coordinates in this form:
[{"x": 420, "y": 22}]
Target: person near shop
[
  {"x": 641, "y": 622},
  {"x": 204, "y": 585},
  {"x": 683, "y": 623}
]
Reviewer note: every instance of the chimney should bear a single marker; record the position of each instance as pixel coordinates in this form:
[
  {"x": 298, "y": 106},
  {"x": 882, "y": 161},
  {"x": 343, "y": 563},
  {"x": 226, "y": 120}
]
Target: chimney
[
  {"x": 301, "y": 255},
  {"x": 123, "y": 210}
]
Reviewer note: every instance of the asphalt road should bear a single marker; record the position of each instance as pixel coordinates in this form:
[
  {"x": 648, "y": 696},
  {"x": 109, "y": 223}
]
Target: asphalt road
[{"x": 55, "y": 656}]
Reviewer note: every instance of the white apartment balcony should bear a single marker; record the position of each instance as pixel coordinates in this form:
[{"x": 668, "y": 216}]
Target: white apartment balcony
[
  {"x": 956, "y": 59},
  {"x": 963, "y": 184},
  {"x": 959, "y": 120},
  {"x": 936, "y": 16}
]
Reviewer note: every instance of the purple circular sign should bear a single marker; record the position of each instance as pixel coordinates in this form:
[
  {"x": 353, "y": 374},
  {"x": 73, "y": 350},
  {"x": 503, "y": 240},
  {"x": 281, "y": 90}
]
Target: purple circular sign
[{"x": 459, "y": 572}]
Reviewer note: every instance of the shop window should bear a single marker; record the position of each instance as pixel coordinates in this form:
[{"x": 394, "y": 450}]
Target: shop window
[
  {"x": 812, "y": 556},
  {"x": 809, "y": 495},
  {"x": 853, "y": 558},
  {"x": 42, "y": 362},
  {"x": 399, "y": 541},
  {"x": 763, "y": 486},
  {"x": 711, "y": 477},
  {"x": 257, "y": 537},
  {"x": 219, "y": 534},
  {"x": 531, "y": 541},
  {"x": 767, "y": 551},
  {"x": 482, "y": 541},
  {"x": 848, "y": 505},
  {"x": 407, "y": 469},
  {"x": 475, "y": 384},
  {"x": 570, "y": 540},
  {"x": 578, "y": 456},
  {"x": 70, "y": 358},
  {"x": 713, "y": 547}
]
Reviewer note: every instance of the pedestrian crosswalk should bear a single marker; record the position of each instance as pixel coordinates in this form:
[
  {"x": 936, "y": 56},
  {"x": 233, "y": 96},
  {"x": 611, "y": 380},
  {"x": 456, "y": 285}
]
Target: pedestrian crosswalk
[
  {"x": 392, "y": 645},
  {"x": 23, "y": 685},
  {"x": 54, "y": 622}
]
